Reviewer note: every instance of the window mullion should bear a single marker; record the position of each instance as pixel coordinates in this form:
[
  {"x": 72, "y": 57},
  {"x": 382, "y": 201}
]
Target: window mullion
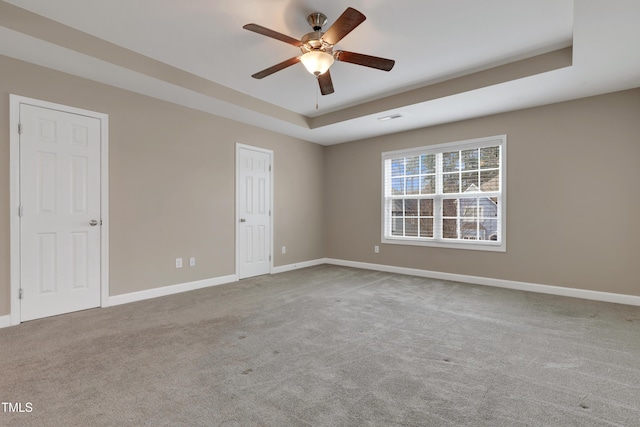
[
  {"x": 437, "y": 217},
  {"x": 458, "y": 218},
  {"x": 437, "y": 203}
]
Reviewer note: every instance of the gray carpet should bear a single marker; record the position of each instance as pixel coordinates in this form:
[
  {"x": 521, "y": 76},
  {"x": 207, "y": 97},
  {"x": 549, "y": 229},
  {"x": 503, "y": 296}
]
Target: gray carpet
[{"x": 329, "y": 346}]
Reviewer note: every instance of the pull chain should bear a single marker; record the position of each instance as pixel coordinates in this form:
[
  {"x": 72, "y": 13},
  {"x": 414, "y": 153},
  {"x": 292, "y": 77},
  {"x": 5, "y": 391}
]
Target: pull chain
[{"x": 317, "y": 91}]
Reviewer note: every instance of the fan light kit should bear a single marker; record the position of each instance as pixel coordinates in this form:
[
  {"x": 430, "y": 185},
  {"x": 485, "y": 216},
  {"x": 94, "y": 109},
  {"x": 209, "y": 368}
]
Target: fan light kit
[
  {"x": 317, "y": 62},
  {"x": 317, "y": 48}
]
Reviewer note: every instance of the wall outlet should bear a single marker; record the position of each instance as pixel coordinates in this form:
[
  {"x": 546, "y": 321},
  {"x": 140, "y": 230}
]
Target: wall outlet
[
  {"x": 192, "y": 261},
  {"x": 284, "y": 249},
  {"x": 376, "y": 249},
  {"x": 178, "y": 262}
]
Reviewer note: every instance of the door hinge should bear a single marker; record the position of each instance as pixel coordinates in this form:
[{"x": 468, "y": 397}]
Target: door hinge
[
  {"x": 20, "y": 293},
  {"x": 269, "y": 168},
  {"x": 20, "y": 211},
  {"x": 269, "y": 257},
  {"x": 19, "y": 128}
]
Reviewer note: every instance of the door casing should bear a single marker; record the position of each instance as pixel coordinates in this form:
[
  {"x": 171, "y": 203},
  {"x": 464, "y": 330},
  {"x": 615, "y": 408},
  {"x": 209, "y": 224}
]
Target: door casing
[{"x": 14, "y": 196}]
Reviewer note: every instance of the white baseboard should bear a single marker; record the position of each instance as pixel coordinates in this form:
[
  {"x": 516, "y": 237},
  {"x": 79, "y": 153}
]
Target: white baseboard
[
  {"x": 298, "y": 265},
  {"x": 498, "y": 283},
  {"x": 169, "y": 290},
  {"x": 5, "y": 321}
]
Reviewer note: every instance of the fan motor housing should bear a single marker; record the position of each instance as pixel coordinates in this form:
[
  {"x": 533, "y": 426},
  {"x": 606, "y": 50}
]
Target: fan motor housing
[{"x": 314, "y": 40}]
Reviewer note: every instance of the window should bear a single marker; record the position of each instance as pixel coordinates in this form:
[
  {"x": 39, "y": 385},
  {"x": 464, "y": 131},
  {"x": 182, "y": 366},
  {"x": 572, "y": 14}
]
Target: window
[{"x": 447, "y": 195}]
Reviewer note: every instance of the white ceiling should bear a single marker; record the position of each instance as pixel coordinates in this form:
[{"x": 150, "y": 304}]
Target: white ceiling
[{"x": 432, "y": 41}]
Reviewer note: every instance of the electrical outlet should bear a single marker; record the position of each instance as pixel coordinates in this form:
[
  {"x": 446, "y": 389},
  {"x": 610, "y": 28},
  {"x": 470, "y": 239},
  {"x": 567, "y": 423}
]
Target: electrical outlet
[
  {"x": 178, "y": 262},
  {"x": 376, "y": 249},
  {"x": 284, "y": 249},
  {"x": 192, "y": 261}
]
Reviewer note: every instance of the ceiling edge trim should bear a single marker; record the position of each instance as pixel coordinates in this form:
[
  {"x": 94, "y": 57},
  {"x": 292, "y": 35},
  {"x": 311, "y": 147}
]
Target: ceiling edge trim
[
  {"x": 555, "y": 60},
  {"x": 34, "y": 25}
]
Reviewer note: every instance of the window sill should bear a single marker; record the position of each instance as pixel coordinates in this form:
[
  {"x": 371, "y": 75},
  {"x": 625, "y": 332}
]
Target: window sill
[{"x": 470, "y": 245}]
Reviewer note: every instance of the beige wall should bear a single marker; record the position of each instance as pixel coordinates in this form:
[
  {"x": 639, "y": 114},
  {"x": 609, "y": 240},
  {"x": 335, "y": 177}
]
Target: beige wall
[
  {"x": 573, "y": 204},
  {"x": 172, "y": 188}
]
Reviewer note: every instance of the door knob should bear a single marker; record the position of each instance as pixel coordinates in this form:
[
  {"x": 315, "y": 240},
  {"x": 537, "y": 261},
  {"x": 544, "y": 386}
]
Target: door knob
[
  {"x": 93, "y": 222},
  {"x": 243, "y": 220}
]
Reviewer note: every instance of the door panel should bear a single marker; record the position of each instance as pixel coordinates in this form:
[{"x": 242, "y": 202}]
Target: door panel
[
  {"x": 45, "y": 268},
  {"x": 79, "y": 259},
  {"x": 59, "y": 196}
]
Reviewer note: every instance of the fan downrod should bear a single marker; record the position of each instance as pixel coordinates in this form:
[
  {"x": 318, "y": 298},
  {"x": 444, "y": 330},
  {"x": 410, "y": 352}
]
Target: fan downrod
[{"x": 317, "y": 20}]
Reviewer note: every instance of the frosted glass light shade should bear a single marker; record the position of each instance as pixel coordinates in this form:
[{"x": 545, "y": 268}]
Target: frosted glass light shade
[{"x": 317, "y": 62}]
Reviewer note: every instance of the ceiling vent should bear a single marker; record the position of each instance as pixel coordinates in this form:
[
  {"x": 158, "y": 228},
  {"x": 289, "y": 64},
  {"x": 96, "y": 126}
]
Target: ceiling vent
[{"x": 391, "y": 117}]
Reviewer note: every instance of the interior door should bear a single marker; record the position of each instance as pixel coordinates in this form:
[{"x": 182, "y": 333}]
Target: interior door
[
  {"x": 254, "y": 204},
  {"x": 60, "y": 212}
]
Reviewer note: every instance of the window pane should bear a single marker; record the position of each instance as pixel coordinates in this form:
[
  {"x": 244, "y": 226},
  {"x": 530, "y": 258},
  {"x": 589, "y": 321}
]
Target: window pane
[
  {"x": 469, "y": 230},
  {"x": 428, "y": 184},
  {"x": 426, "y": 227},
  {"x": 491, "y": 227},
  {"x": 397, "y": 167},
  {"x": 397, "y": 208},
  {"x": 397, "y": 186},
  {"x": 489, "y": 157},
  {"x": 450, "y": 161},
  {"x": 426, "y": 207},
  {"x": 470, "y": 181},
  {"x": 490, "y": 180},
  {"x": 396, "y": 227},
  {"x": 428, "y": 163},
  {"x": 411, "y": 227},
  {"x": 450, "y": 228},
  {"x": 413, "y": 185},
  {"x": 451, "y": 183},
  {"x": 469, "y": 160},
  {"x": 469, "y": 209},
  {"x": 450, "y": 207},
  {"x": 413, "y": 165},
  {"x": 411, "y": 207},
  {"x": 490, "y": 207}
]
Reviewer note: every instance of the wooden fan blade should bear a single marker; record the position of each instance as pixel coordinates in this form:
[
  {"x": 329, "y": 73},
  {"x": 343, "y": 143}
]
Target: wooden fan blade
[
  {"x": 366, "y": 60},
  {"x": 273, "y": 34},
  {"x": 346, "y": 23},
  {"x": 326, "y": 85},
  {"x": 281, "y": 66}
]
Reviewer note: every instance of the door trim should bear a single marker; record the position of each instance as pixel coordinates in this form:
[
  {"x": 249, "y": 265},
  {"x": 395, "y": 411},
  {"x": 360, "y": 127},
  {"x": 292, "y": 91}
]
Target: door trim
[
  {"x": 237, "y": 208},
  {"x": 14, "y": 196}
]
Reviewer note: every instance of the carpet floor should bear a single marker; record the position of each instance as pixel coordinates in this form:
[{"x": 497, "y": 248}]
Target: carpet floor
[{"x": 329, "y": 346}]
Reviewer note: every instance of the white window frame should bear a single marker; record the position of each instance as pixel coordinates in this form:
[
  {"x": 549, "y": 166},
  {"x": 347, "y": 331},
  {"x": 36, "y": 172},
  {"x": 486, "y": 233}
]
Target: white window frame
[{"x": 438, "y": 241}]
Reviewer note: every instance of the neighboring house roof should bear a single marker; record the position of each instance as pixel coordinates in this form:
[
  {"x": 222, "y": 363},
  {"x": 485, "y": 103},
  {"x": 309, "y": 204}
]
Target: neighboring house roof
[
  {"x": 472, "y": 189},
  {"x": 492, "y": 185}
]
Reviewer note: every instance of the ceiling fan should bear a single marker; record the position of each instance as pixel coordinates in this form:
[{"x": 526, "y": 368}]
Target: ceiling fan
[{"x": 317, "y": 48}]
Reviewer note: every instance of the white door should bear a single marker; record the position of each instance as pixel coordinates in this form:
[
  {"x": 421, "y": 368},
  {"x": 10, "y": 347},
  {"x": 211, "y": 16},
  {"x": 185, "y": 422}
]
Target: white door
[
  {"x": 60, "y": 212},
  {"x": 253, "y": 212}
]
